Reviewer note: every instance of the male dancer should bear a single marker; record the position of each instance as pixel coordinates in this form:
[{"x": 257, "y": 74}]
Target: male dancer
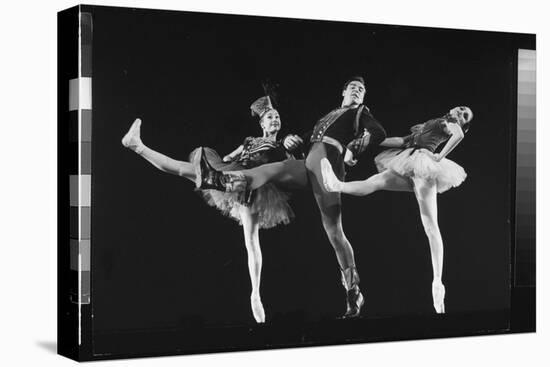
[{"x": 339, "y": 136}]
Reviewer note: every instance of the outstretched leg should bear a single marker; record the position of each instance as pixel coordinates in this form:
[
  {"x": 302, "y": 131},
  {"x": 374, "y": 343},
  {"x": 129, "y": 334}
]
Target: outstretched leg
[
  {"x": 386, "y": 180},
  {"x": 132, "y": 141},
  {"x": 426, "y": 195},
  {"x": 288, "y": 174},
  {"x": 252, "y": 242}
]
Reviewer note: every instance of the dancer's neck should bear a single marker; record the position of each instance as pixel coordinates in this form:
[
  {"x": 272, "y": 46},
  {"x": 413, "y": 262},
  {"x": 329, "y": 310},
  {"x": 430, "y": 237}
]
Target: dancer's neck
[{"x": 270, "y": 136}]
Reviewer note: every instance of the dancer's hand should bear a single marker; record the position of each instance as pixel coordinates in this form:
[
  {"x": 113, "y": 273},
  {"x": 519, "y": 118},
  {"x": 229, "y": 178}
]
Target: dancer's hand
[
  {"x": 437, "y": 157},
  {"x": 227, "y": 158},
  {"x": 292, "y": 142},
  {"x": 348, "y": 158}
]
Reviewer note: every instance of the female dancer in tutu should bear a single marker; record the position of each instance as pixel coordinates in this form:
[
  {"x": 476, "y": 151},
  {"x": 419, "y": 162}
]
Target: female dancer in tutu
[
  {"x": 265, "y": 207},
  {"x": 414, "y": 166}
]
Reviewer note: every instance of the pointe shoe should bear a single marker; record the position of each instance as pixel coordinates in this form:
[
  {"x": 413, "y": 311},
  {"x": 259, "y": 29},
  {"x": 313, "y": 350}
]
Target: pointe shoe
[
  {"x": 257, "y": 309},
  {"x": 438, "y": 294},
  {"x": 330, "y": 181},
  {"x": 355, "y": 302},
  {"x": 132, "y": 138},
  {"x": 354, "y": 297}
]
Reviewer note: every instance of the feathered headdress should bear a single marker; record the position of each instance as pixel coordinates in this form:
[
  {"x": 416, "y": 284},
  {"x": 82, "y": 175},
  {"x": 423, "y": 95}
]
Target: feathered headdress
[
  {"x": 261, "y": 106},
  {"x": 265, "y": 103}
]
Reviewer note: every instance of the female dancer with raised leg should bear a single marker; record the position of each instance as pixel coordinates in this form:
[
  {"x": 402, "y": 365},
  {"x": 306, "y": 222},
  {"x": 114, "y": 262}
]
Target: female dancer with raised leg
[
  {"x": 262, "y": 208},
  {"x": 414, "y": 166}
]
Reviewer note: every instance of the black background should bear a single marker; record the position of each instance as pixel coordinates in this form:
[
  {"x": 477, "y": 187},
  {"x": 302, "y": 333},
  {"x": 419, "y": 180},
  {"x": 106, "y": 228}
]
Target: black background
[{"x": 162, "y": 258}]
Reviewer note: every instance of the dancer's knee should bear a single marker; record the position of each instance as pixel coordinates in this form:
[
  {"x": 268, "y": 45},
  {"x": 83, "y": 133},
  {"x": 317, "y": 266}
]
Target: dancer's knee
[
  {"x": 431, "y": 228},
  {"x": 335, "y": 234}
]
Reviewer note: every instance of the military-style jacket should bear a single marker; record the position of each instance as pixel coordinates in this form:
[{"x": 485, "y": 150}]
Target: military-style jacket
[{"x": 354, "y": 128}]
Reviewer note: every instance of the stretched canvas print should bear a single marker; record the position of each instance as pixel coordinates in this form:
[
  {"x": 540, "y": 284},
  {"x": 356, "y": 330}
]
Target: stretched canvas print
[{"x": 235, "y": 182}]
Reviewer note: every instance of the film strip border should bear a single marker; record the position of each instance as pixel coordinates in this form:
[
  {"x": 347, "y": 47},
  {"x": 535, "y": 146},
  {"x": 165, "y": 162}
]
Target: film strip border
[
  {"x": 74, "y": 167},
  {"x": 80, "y": 173},
  {"x": 525, "y": 254}
]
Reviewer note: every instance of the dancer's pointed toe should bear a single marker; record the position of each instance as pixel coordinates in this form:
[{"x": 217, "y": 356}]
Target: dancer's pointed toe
[
  {"x": 438, "y": 294},
  {"x": 132, "y": 139},
  {"x": 257, "y": 309},
  {"x": 355, "y": 302},
  {"x": 354, "y": 297},
  {"x": 330, "y": 181}
]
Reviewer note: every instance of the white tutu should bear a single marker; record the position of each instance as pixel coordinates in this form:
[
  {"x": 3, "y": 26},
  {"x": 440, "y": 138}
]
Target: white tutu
[{"x": 420, "y": 163}]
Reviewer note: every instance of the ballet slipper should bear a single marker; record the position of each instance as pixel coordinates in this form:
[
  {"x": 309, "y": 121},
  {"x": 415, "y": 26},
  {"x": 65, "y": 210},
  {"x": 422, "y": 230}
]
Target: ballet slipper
[
  {"x": 438, "y": 294},
  {"x": 330, "y": 181},
  {"x": 132, "y": 138},
  {"x": 257, "y": 309},
  {"x": 354, "y": 298}
]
